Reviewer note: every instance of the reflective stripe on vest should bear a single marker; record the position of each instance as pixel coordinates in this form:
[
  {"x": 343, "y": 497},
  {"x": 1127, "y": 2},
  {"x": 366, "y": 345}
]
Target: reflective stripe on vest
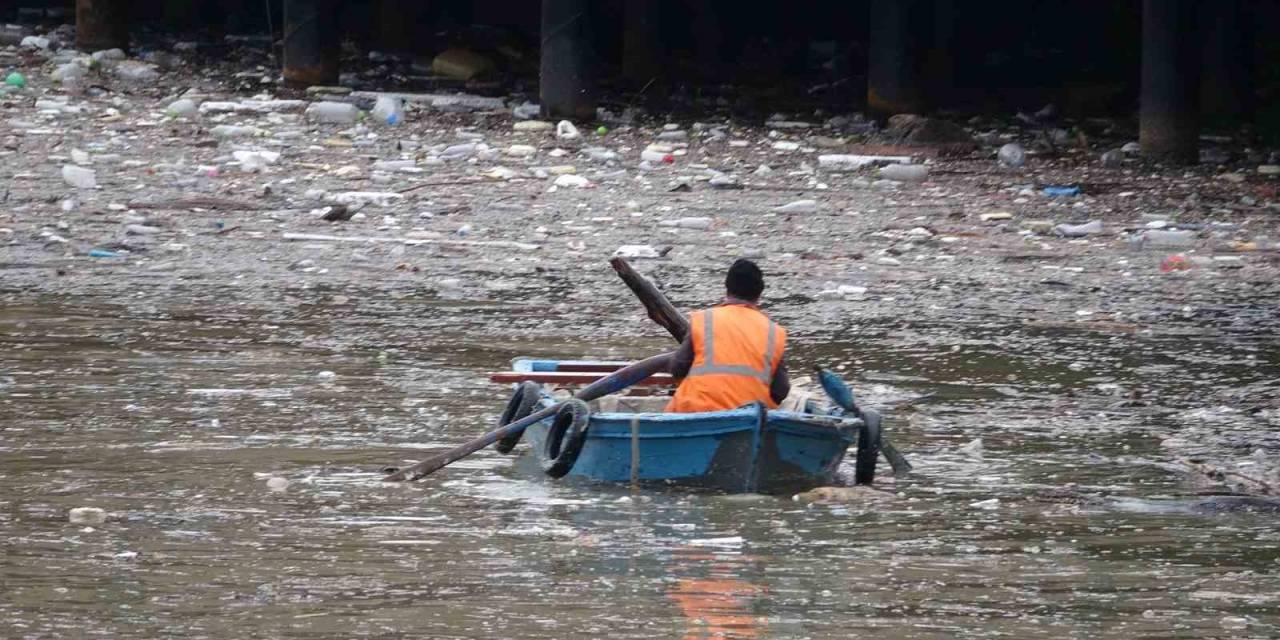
[{"x": 709, "y": 367}]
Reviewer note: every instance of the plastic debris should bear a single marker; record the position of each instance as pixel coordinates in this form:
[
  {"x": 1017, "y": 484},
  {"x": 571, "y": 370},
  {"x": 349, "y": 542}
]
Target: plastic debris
[
  {"x": 141, "y": 230},
  {"x": 1064, "y": 192},
  {"x": 572, "y": 181},
  {"x": 388, "y": 110},
  {"x": 700, "y": 223},
  {"x": 277, "y": 484},
  {"x": 103, "y": 253},
  {"x": 905, "y": 172},
  {"x": 722, "y": 181},
  {"x": 459, "y": 151},
  {"x": 533, "y": 125},
  {"x": 1012, "y": 155},
  {"x": 639, "y": 251},
  {"x": 1112, "y": 159},
  {"x": 108, "y": 55},
  {"x": 1168, "y": 238},
  {"x": 657, "y": 154},
  {"x": 501, "y": 173},
  {"x": 600, "y": 154},
  {"x": 254, "y": 161},
  {"x": 798, "y": 206},
  {"x": 376, "y": 198},
  {"x": 87, "y": 515},
  {"x": 526, "y": 111},
  {"x": 182, "y": 108},
  {"x": 136, "y": 72},
  {"x": 229, "y": 131},
  {"x": 79, "y": 177},
  {"x": 394, "y": 165},
  {"x": 1175, "y": 262},
  {"x": 70, "y": 73},
  {"x": 843, "y": 292},
  {"x": 851, "y": 162},
  {"x": 332, "y": 113},
  {"x": 16, "y": 79},
  {"x": 1078, "y": 230},
  {"x": 566, "y": 130},
  {"x": 35, "y": 42},
  {"x": 973, "y": 449}
]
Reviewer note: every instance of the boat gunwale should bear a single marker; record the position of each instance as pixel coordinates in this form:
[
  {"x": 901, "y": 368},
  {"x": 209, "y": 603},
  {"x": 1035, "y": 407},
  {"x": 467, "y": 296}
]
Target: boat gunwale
[{"x": 790, "y": 422}]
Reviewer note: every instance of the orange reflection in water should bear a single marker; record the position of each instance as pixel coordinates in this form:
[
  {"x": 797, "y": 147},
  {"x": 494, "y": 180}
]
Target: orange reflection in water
[{"x": 717, "y": 606}]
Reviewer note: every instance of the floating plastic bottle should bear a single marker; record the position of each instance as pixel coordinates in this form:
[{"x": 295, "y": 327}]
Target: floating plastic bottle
[
  {"x": 565, "y": 130},
  {"x": 389, "y": 110},
  {"x": 332, "y": 113},
  {"x": 905, "y": 172}
]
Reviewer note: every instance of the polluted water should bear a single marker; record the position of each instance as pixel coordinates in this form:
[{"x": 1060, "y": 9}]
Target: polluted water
[{"x": 210, "y": 353}]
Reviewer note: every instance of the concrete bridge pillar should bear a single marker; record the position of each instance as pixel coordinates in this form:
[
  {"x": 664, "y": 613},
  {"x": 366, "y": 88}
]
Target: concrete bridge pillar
[
  {"x": 311, "y": 42},
  {"x": 1227, "y": 82},
  {"x": 102, "y": 24},
  {"x": 641, "y": 41},
  {"x": 566, "y": 71},
  {"x": 396, "y": 24},
  {"x": 1169, "y": 118},
  {"x": 896, "y": 56}
]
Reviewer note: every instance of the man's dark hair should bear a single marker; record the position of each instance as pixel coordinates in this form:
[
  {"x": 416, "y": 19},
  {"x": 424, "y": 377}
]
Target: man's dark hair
[{"x": 744, "y": 280}]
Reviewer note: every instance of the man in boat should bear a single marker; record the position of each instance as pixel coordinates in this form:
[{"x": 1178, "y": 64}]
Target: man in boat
[{"x": 732, "y": 355}]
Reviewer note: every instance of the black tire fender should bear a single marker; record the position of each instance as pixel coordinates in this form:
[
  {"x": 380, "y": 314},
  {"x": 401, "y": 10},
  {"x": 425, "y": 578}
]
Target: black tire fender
[
  {"x": 864, "y": 468},
  {"x": 522, "y": 403},
  {"x": 565, "y": 438}
]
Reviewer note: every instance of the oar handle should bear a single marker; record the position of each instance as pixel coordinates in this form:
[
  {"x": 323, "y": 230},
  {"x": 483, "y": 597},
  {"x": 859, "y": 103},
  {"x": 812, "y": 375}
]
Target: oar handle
[
  {"x": 613, "y": 383},
  {"x": 431, "y": 465}
]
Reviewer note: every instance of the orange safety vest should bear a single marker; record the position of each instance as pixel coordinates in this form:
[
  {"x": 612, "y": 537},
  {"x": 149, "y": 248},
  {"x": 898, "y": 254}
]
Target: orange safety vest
[{"x": 736, "y": 350}]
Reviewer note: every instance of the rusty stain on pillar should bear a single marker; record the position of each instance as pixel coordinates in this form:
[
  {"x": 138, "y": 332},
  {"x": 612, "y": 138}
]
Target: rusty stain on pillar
[
  {"x": 311, "y": 46},
  {"x": 1169, "y": 118},
  {"x": 641, "y": 41},
  {"x": 565, "y": 73},
  {"x": 895, "y": 56},
  {"x": 1227, "y": 81},
  {"x": 102, "y": 24}
]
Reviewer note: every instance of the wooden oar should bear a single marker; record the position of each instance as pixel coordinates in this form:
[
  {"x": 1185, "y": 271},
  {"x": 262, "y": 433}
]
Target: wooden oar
[
  {"x": 842, "y": 395},
  {"x": 566, "y": 378},
  {"x": 613, "y": 383},
  {"x": 665, "y": 314},
  {"x": 659, "y": 307}
]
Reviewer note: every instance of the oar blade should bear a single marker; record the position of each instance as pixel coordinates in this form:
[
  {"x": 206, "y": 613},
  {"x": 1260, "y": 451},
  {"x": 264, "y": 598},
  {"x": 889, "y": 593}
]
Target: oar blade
[
  {"x": 836, "y": 389},
  {"x": 842, "y": 396}
]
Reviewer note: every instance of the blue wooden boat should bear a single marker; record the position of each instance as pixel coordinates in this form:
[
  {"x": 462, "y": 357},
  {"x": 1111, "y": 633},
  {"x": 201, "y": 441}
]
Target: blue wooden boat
[{"x": 629, "y": 439}]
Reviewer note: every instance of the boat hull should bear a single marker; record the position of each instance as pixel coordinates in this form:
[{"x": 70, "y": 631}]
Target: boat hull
[{"x": 743, "y": 450}]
